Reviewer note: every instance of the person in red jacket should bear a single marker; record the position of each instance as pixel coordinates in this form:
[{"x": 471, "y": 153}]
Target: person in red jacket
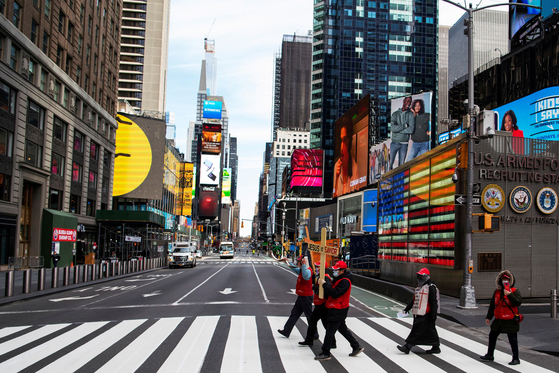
[
  {"x": 304, "y": 292},
  {"x": 337, "y": 304},
  {"x": 503, "y": 306}
]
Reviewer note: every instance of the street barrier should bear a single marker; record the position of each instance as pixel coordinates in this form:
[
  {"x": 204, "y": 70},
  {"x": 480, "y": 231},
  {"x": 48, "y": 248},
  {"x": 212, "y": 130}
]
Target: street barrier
[
  {"x": 77, "y": 274},
  {"x": 54, "y": 278},
  {"x": 9, "y": 290},
  {"x": 85, "y": 272},
  {"x": 41, "y": 279},
  {"x": 26, "y": 281},
  {"x": 554, "y": 303},
  {"x": 93, "y": 272},
  {"x": 66, "y": 276}
]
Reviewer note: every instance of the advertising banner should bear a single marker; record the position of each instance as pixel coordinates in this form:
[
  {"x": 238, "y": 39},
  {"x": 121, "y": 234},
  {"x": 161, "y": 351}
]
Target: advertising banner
[
  {"x": 185, "y": 183},
  {"x": 535, "y": 116},
  {"x": 209, "y": 202},
  {"x": 370, "y": 208},
  {"x": 64, "y": 235},
  {"x": 211, "y": 138},
  {"x": 306, "y": 168},
  {"x": 212, "y": 109},
  {"x": 351, "y": 144},
  {"x": 209, "y": 169},
  {"x": 226, "y": 187},
  {"x": 519, "y": 15},
  {"x": 304, "y": 221}
]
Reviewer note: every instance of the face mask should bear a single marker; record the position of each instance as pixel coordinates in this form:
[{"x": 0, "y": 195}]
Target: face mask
[{"x": 335, "y": 273}]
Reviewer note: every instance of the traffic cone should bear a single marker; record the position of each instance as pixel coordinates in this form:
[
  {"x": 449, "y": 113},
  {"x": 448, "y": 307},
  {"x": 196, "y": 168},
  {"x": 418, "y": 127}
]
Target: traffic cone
[{"x": 72, "y": 264}]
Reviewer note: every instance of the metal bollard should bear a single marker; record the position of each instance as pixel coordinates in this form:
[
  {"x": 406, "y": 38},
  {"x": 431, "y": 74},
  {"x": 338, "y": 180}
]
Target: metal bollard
[
  {"x": 77, "y": 274},
  {"x": 66, "y": 276},
  {"x": 9, "y": 290},
  {"x": 128, "y": 267},
  {"x": 26, "y": 281},
  {"x": 41, "y": 279},
  {"x": 54, "y": 278},
  {"x": 554, "y": 303},
  {"x": 93, "y": 272},
  {"x": 113, "y": 269},
  {"x": 85, "y": 272}
]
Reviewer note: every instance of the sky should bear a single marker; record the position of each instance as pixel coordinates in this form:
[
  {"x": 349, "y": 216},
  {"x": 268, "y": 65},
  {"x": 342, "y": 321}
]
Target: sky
[{"x": 247, "y": 34}]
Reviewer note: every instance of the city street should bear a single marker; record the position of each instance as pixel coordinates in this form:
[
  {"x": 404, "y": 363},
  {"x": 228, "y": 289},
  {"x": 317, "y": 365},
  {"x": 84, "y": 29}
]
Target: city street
[{"x": 221, "y": 316}]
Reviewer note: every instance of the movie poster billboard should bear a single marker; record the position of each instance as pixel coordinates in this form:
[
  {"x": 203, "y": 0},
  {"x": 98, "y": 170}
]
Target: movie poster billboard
[
  {"x": 211, "y": 138},
  {"x": 535, "y": 116},
  {"x": 226, "y": 187},
  {"x": 212, "y": 109},
  {"x": 351, "y": 144},
  {"x": 209, "y": 169},
  {"x": 306, "y": 168}
]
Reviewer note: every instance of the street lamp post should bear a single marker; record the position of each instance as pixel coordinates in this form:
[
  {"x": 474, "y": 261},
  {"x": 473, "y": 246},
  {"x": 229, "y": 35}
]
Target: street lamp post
[{"x": 467, "y": 293}]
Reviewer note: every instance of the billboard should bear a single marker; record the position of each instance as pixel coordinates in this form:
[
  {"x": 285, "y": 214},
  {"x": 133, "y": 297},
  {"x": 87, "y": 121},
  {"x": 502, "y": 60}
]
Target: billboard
[
  {"x": 209, "y": 202},
  {"x": 185, "y": 183},
  {"x": 519, "y": 15},
  {"x": 209, "y": 169},
  {"x": 212, "y": 109},
  {"x": 139, "y": 157},
  {"x": 211, "y": 138},
  {"x": 370, "y": 207},
  {"x": 306, "y": 168},
  {"x": 351, "y": 144},
  {"x": 226, "y": 187},
  {"x": 535, "y": 116}
]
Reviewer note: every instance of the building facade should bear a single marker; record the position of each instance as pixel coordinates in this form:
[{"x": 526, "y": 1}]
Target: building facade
[
  {"x": 289, "y": 140},
  {"x": 442, "y": 104}
]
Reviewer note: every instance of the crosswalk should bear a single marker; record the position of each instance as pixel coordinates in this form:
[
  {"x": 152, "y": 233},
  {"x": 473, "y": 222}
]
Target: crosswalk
[
  {"x": 231, "y": 344},
  {"x": 237, "y": 261}
]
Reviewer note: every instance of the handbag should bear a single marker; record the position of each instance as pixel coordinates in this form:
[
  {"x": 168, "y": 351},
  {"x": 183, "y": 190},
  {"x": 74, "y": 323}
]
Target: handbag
[{"x": 518, "y": 317}]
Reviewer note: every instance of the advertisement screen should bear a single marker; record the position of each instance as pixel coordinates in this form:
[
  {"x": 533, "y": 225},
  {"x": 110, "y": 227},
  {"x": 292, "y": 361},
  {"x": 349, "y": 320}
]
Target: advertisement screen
[
  {"x": 519, "y": 15},
  {"x": 535, "y": 116},
  {"x": 226, "y": 187},
  {"x": 139, "y": 157},
  {"x": 212, "y": 109},
  {"x": 306, "y": 168},
  {"x": 185, "y": 184},
  {"x": 209, "y": 169},
  {"x": 351, "y": 143},
  {"x": 370, "y": 207},
  {"x": 209, "y": 202},
  {"x": 211, "y": 138}
]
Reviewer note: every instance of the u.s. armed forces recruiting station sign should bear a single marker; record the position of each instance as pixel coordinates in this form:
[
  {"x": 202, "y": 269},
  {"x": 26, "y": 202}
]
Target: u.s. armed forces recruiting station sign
[{"x": 532, "y": 169}]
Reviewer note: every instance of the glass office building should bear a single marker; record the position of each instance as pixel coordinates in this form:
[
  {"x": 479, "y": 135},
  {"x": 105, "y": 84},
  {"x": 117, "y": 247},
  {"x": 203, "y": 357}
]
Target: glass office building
[{"x": 385, "y": 48}]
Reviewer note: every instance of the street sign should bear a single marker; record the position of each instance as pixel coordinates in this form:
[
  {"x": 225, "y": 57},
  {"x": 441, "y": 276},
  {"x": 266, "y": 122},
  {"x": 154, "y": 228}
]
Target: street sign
[
  {"x": 476, "y": 200},
  {"x": 477, "y": 188},
  {"x": 132, "y": 239},
  {"x": 460, "y": 199}
]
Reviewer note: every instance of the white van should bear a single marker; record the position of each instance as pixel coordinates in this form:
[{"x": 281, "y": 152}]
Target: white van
[
  {"x": 184, "y": 254},
  {"x": 226, "y": 250}
]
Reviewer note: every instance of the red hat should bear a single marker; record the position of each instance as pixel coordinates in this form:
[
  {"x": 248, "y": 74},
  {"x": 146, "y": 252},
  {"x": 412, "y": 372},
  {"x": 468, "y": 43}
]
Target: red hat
[
  {"x": 326, "y": 265},
  {"x": 424, "y": 271},
  {"x": 300, "y": 257},
  {"x": 340, "y": 265}
]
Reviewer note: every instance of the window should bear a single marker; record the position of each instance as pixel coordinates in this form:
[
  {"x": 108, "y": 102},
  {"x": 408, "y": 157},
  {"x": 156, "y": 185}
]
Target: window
[
  {"x": 86, "y": 83},
  {"x": 57, "y": 91},
  {"x": 71, "y": 4},
  {"x": 33, "y": 153},
  {"x": 93, "y": 150},
  {"x": 68, "y": 68},
  {"x": 34, "y": 29},
  {"x": 14, "y": 55},
  {"x": 106, "y": 159},
  {"x": 47, "y": 8},
  {"x": 5, "y": 181},
  {"x": 65, "y": 98},
  {"x": 90, "y": 207},
  {"x": 96, "y": 35},
  {"x": 95, "y": 63},
  {"x": 61, "y": 19},
  {"x": 78, "y": 141},
  {"x": 102, "y": 73},
  {"x": 57, "y": 164},
  {"x": 6, "y": 142},
  {"x": 82, "y": 13},
  {"x": 18, "y": 9},
  {"x": 59, "y": 129},
  {"x": 55, "y": 199},
  {"x": 92, "y": 184},
  {"x": 102, "y": 44},
  {"x": 45, "y": 42},
  {"x": 76, "y": 172},
  {"x": 31, "y": 75},
  {"x": 7, "y": 98},
  {"x": 80, "y": 44},
  {"x": 75, "y": 202},
  {"x": 35, "y": 115},
  {"x": 70, "y": 31},
  {"x": 59, "y": 52},
  {"x": 79, "y": 75},
  {"x": 89, "y": 23},
  {"x": 43, "y": 82},
  {"x": 93, "y": 89},
  {"x": 87, "y": 54},
  {"x": 105, "y": 186}
]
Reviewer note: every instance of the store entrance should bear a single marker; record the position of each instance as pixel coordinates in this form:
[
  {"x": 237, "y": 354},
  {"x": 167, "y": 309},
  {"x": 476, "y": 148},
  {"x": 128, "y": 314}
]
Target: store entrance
[{"x": 25, "y": 220}]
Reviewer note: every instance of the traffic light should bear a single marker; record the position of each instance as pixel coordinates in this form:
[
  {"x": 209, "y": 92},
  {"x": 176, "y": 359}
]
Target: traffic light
[
  {"x": 462, "y": 155},
  {"x": 489, "y": 223},
  {"x": 242, "y": 224}
]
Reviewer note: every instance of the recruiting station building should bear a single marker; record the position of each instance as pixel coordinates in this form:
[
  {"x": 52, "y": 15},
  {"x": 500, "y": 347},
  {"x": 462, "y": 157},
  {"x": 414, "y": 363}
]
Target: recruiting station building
[{"x": 516, "y": 179}]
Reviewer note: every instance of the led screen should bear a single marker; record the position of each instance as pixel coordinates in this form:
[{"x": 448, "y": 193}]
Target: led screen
[
  {"x": 370, "y": 207},
  {"x": 226, "y": 187},
  {"x": 185, "y": 185},
  {"x": 209, "y": 202},
  {"x": 306, "y": 168},
  {"x": 519, "y": 15},
  {"x": 209, "y": 169},
  {"x": 351, "y": 143},
  {"x": 211, "y": 138},
  {"x": 212, "y": 109}
]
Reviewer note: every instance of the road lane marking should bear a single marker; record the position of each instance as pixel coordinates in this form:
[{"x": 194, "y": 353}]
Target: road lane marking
[
  {"x": 227, "y": 291},
  {"x": 157, "y": 292},
  {"x": 72, "y": 298},
  {"x": 30, "y": 337},
  {"x": 242, "y": 353},
  {"x": 261, "y": 287},
  {"x": 191, "y": 291}
]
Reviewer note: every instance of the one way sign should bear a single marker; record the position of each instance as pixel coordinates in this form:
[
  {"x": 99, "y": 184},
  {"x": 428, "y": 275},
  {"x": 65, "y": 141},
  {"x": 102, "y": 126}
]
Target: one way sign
[{"x": 460, "y": 199}]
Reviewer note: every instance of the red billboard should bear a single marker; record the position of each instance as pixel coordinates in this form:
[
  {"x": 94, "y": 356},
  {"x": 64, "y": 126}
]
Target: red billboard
[
  {"x": 64, "y": 235},
  {"x": 306, "y": 168},
  {"x": 209, "y": 201}
]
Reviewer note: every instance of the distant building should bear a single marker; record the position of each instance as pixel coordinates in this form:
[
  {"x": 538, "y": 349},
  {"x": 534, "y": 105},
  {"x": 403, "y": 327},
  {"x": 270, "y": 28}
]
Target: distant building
[
  {"x": 288, "y": 140},
  {"x": 171, "y": 132},
  {"x": 442, "y": 104}
]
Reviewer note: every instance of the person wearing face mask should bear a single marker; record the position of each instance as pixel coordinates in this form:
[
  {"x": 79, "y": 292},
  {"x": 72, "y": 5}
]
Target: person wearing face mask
[
  {"x": 337, "y": 305},
  {"x": 504, "y": 305},
  {"x": 424, "y": 306}
]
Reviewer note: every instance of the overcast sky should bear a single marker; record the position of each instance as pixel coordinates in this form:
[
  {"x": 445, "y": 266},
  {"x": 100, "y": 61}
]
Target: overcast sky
[{"x": 247, "y": 34}]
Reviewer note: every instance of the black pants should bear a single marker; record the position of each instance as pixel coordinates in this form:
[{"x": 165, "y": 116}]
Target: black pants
[
  {"x": 513, "y": 340},
  {"x": 319, "y": 313},
  {"x": 302, "y": 305},
  {"x": 331, "y": 330}
]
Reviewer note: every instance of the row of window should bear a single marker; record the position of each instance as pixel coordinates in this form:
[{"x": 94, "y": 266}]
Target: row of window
[
  {"x": 294, "y": 140},
  {"x": 56, "y": 202}
]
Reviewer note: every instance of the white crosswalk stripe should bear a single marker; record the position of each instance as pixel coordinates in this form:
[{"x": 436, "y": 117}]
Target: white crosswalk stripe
[{"x": 185, "y": 345}]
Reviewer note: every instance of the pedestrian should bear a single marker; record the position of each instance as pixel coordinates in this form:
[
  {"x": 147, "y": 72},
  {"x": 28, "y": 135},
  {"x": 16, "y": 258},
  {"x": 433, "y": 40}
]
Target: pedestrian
[
  {"x": 504, "y": 306},
  {"x": 55, "y": 258},
  {"x": 424, "y": 306},
  {"x": 337, "y": 305},
  {"x": 319, "y": 312},
  {"x": 304, "y": 292}
]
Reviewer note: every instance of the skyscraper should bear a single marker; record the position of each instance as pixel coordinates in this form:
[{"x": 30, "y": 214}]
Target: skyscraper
[
  {"x": 385, "y": 48},
  {"x": 442, "y": 104},
  {"x": 234, "y": 165},
  {"x": 143, "y": 55}
]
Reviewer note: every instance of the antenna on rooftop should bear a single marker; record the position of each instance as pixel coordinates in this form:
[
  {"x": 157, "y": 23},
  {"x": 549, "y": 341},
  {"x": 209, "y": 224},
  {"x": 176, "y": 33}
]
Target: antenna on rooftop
[{"x": 207, "y": 36}]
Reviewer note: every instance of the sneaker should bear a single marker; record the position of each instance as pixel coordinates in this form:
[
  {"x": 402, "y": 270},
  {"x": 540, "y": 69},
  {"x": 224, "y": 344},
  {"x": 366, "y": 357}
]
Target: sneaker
[
  {"x": 357, "y": 351},
  {"x": 486, "y": 357},
  {"x": 322, "y": 357},
  {"x": 514, "y": 362},
  {"x": 404, "y": 349},
  {"x": 434, "y": 350},
  {"x": 282, "y": 332},
  {"x": 333, "y": 346},
  {"x": 305, "y": 343}
]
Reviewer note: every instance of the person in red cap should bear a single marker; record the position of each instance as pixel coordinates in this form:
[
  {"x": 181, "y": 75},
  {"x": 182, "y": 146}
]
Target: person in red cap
[
  {"x": 424, "y": 306},
  {"x": 304, "y": 292},
  {"x": 504, "y": 305},
  {"x": 319, "y": 311},
  {"x": 337, "y": 304}
]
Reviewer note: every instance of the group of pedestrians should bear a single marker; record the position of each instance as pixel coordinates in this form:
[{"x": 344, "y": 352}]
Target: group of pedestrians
[{"x": 333, "y": 308}]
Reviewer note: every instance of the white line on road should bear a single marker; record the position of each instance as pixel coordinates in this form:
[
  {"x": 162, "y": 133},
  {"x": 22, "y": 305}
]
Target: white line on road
[
  {"x": 241, "y": 351},
  {"x": 191, "y": 291},
  {"x": 261, "y": 287},
  {"x": 30, "y": 337}
]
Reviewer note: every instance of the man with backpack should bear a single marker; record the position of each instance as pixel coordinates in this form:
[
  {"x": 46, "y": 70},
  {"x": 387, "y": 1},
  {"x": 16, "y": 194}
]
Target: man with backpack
[{"x": 424, "y": 306}]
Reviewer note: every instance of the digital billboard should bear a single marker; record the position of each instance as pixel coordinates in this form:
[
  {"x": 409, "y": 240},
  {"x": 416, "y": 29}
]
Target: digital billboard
[
  {"x": 212, "y": 109},
  {"x": 535, "y": 116},
  {"x": 519, "y": 15},
  {"x": 351, "y": 143},
  {"x": 211, "y": 138},
  {"x": 185, "y": 183},
  {"x": 226, "y": 187},
  {"x": 209, "y": 169},
  {"x": 209, "y": 202},
  {"x": 139, "y": 157},
  {"x": 306, "y": 168}
]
